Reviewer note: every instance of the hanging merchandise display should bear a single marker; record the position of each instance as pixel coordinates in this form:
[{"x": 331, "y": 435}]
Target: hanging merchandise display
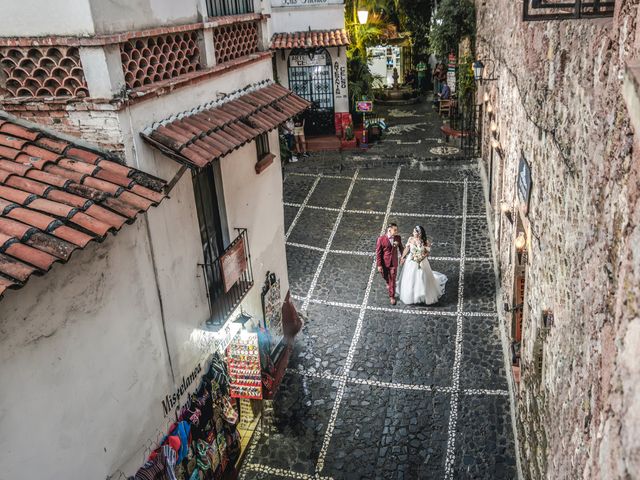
[
  {"x": 272, "y": 310},
  {"x": 203, "y": 443},
  {"x": 243, "y": 359}
]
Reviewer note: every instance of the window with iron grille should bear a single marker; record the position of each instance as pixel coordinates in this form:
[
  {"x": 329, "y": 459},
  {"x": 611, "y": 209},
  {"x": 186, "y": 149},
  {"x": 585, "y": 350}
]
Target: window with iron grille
[
  {"x": 566, "y": 9},
  {"x": 262, "y": 145},
  {"x": 220, "y": 8}
]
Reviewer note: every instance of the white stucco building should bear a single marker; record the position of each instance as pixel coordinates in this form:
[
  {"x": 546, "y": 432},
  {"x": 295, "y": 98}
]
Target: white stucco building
[
  {"x": 90, "y": 348},
  {"x": 310, "y": 43}
]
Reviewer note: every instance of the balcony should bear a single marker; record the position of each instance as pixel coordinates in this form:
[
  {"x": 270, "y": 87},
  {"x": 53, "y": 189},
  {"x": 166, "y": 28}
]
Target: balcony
[
  {"x": 223, "y": 8},
  {"x": 565, "y": 10},
  {"x": 228, "y": 279}
]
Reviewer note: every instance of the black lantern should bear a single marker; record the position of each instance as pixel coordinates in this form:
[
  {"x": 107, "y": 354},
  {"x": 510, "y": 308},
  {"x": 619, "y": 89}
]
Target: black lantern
[{"x": 478, "y": 70}]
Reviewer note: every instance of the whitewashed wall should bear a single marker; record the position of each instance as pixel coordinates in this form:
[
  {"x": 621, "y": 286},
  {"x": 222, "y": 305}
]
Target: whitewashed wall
[
  {"x": 304, "y": 17},
  {"x": 254, "y": 201},
  {"x": 112, "y": 16},
  {"x": 84, "y": 364},
  {"x": 26, "y": 18}
]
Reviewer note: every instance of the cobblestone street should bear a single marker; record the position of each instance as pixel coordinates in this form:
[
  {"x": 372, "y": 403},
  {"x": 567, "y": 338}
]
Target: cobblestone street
[{"x": 376, "y": 391}]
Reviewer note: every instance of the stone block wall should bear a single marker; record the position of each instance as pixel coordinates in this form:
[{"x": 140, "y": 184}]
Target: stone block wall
[
  {"x": 558, "y": 102},
  {"x": 95, "y": 123}
]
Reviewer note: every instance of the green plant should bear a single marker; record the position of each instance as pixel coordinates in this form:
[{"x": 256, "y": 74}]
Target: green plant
[
  {"x": 452, "y": 20},
  {"x": 466, "y": 82}
]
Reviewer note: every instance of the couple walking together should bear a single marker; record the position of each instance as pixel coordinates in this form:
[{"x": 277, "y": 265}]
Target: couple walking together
[{"x": 418, "y": 283}]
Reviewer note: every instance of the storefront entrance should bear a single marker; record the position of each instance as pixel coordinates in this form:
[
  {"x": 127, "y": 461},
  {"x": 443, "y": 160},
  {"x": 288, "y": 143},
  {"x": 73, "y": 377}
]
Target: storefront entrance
[{"x": 311, "y": 77}]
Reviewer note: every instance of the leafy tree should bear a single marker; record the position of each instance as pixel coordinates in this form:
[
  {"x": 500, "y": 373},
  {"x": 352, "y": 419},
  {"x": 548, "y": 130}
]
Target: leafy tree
[{"x": 452, "y": 20}]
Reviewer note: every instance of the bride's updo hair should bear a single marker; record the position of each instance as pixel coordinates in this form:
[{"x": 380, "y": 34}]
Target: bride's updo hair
[{"x": 423, "y": 234}]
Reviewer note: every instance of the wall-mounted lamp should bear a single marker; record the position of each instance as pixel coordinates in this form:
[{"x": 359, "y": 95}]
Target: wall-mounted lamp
[
  {"x": 242, "y": 319},
  {"x": 547, "y": 318},
  {"x": 521, "y": 243},
  {"x": 494, "y": 127},
  {"x": 486, "y": 97},
  {"x": 506, "y": 211},
  {"x": 479, "y": 70},
  {"x": 363, "y": 16},
  {"x": 489, "y": 108}
]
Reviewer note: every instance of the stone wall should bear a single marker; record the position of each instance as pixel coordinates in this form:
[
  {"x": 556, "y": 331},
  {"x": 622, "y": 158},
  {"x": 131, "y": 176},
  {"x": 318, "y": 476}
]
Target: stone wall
[
  {"x": 558, "y": 102},
  {"x": 95, "y": 123}
]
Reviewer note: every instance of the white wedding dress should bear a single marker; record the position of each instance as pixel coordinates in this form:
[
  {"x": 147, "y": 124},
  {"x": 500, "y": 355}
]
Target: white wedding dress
[{"x": 418, "y": 283}]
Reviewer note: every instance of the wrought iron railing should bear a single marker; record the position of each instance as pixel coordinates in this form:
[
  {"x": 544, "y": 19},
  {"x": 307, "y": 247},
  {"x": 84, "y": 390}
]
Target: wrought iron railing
[
  {"x": 564, "y": 10},
  {"x": 228, "y": 279},
  {"x": 220, "y": 8},
  {"x": 466, "y": 120}
]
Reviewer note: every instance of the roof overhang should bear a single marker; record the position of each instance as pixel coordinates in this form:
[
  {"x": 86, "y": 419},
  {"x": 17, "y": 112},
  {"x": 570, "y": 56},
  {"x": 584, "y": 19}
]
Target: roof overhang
[{"x": 214, "y": 130}]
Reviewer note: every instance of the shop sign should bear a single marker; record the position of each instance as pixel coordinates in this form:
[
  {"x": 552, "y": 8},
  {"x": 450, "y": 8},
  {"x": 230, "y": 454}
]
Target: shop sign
[
  {"x": 172, "y": 399},
  {"x": 364, "y": 106},
  {"x": 524, "y": 184},
  {"x": 303, "y": 3},
  {"x": 452, "y": 61},
  {"x": 243, "y": 361},
  {"x": 233, "y": 264},
  {"x": 307, "y": 60},
  {"x": 340, "y": 75}
]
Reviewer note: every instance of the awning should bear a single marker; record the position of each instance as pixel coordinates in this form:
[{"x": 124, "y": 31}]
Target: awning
[
  {"x": 310, "y": 39},
  {"x": 211, "y": 131},
  {"x": 56, "y": 197}
]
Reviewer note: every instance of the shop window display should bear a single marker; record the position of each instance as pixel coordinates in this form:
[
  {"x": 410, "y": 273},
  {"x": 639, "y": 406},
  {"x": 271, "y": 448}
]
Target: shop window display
[{"x": 204, "y": 442}]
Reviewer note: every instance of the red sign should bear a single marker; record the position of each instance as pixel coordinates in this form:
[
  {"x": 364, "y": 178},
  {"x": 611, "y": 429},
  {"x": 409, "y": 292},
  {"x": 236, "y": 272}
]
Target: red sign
[
  {"x": 233, "y": 264},
  {"x": 364, "y": 106}
]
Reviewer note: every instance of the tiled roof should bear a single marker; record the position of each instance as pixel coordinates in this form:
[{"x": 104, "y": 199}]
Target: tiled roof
[
  {"x": 310, "y": 38},
  {"x": 214, "y": 130},
  {"x": 56, "y": 196}
]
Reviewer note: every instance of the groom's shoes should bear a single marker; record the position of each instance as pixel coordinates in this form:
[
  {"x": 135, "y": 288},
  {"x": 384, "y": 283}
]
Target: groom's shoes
[{"x": 392, "y": 300}]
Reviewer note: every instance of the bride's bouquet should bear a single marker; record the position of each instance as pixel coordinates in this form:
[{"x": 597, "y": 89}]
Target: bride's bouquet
[{"x": 419, "y": 253}]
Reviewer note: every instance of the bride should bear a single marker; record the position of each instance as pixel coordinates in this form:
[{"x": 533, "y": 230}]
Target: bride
[{"x": 418, "y": 283}]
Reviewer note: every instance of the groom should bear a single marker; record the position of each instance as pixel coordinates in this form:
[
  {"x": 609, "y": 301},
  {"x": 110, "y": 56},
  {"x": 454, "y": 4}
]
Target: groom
[{"x": 388, "y": 248}]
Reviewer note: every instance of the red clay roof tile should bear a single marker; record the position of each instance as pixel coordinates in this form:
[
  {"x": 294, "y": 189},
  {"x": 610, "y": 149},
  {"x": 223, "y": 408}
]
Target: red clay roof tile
[
  {"x": 11, "y": 128},
  {"x": 311, "y": 38},
  {"x": 31, "y": 255},
  {"x": 56, "y": 197},
  {"x": 13, "y": 268},
  {"x": 214, "y": 132}
]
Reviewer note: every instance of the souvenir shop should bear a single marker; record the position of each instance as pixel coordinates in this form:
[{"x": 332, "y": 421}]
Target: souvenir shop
[{"x": 214, "y": 424}]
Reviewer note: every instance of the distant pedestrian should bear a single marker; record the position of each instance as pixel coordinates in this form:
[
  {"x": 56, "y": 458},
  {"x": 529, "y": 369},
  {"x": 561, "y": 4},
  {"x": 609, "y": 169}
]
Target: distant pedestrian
[
  {"x": 301, "y": 141},
  {"x": 288, "y": 131}
]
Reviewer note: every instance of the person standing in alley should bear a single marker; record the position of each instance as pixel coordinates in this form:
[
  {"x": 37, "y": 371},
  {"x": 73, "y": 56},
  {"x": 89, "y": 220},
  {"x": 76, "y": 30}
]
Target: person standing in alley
[
  {"x": 388, "y": 247},
  {"x": 301, "y": 141}
]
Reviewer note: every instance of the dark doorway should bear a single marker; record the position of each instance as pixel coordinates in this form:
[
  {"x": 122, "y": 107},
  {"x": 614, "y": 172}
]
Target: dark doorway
[{"x": 311, "y": 77}]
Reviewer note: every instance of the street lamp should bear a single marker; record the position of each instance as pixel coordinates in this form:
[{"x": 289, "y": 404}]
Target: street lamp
[
  {"x": 478, "y": 70},
  {"x": 363, "y": 16}
]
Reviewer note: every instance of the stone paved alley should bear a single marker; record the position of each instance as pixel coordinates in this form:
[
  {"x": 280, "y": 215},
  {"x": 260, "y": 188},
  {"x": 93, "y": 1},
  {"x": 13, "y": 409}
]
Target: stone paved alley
[{"x": 375, "y": 391}]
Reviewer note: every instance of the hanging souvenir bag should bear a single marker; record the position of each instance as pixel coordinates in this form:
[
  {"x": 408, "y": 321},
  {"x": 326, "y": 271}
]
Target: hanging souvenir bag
[
  {"x": 214, "y": 455},
  {"x": 230, "y": 412}
]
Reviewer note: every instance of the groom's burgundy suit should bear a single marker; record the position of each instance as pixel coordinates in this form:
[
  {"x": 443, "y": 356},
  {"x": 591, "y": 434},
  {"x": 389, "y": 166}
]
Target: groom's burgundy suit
[{"x": 387, "y": 258}]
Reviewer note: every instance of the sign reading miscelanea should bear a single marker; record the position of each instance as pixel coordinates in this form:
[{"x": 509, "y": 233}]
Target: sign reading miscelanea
[
  {"x": 172, "y": 399},
  {"x": 303, "y": 3}
]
